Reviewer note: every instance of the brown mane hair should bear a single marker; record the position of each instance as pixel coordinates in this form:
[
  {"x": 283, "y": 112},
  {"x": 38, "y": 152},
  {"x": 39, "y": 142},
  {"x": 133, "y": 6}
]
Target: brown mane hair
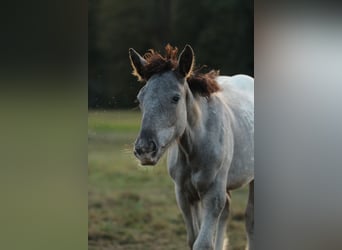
[{"x": 199, "y": 83}]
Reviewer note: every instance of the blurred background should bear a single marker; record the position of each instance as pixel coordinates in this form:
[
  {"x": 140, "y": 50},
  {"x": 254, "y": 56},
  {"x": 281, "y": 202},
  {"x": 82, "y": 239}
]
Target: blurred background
[
  {"x": 129, "y": 206},
  {"x": 44, "y": 112}
]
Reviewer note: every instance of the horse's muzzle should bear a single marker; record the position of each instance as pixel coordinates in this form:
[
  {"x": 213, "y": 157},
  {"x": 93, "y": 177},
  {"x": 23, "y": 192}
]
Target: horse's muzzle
[{"x": 146, "y": 151}]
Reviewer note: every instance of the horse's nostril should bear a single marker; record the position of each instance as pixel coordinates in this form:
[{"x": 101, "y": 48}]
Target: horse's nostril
[
  {"x": 145, "y": 147},
  {"x": 138, "y": 150},
  {"x": 152, "y": 146}
]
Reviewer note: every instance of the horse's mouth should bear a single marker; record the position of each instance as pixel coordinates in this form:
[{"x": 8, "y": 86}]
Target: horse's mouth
[
  {"x": 148, "y": 162},
  {"x": 152, "y": 158}
]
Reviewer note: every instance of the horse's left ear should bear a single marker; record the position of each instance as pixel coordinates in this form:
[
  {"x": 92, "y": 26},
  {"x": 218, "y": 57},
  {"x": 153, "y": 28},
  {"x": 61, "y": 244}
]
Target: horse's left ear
[{"x": 186, "y": 61}]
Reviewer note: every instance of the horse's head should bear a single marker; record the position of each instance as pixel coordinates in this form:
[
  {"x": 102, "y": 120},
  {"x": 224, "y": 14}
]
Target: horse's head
[{"x": 162, "y": 101}]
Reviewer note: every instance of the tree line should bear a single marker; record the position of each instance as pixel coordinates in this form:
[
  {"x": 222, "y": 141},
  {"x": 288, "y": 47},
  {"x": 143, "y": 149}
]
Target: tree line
[{"x": 220, "y": 32}]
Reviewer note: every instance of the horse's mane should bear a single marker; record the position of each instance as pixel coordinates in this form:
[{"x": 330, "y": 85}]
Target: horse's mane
[{"x": 199, "y": 83}]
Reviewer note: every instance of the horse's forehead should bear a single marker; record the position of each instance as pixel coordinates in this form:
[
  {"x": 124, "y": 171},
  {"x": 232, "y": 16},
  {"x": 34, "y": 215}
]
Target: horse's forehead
[{"x": 162, "y": 82}]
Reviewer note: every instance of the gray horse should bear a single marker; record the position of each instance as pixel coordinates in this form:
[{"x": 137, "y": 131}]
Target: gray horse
[{"x": 206, "y": 122}]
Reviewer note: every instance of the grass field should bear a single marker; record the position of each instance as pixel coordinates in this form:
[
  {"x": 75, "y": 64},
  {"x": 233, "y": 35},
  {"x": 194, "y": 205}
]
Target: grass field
[{"x": 133, "y": 207}]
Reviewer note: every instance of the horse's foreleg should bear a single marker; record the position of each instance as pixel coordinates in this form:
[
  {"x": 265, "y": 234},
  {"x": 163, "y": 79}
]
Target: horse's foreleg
[
  {"x": 185, "y": 208},
  {"x": 213, "y": 202},
  {"x": 222, "y": 224},
  {"x": 250, "y": 217}
]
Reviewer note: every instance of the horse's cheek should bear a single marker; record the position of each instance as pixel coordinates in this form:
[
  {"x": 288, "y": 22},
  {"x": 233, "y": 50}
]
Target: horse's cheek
[
  {"x": 181, "y": 123},
  {"x": 165, "y": 135}
]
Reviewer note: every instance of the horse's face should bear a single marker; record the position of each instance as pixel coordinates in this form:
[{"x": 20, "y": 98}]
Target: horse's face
[{"x": 163, "y": 104}]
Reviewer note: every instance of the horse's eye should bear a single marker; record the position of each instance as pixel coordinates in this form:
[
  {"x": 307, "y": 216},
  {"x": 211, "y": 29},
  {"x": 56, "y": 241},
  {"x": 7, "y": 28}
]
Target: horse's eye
[{"x": 175, "y": 99}]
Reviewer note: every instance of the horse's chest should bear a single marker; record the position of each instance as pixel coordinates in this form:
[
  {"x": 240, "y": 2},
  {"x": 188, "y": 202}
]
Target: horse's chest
[
  {"x": 193, "y": 176},
  {"x": 184, "y": 180}
]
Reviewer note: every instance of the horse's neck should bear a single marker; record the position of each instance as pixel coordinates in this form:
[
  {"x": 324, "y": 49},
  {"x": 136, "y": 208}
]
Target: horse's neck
[
  {"x": 193, "y": 110},
  {"x": 194, "y": 116}
]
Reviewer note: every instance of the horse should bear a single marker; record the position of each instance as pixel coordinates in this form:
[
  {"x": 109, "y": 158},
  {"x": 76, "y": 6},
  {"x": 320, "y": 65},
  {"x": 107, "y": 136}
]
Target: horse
[{"x": 205, "y": 122}]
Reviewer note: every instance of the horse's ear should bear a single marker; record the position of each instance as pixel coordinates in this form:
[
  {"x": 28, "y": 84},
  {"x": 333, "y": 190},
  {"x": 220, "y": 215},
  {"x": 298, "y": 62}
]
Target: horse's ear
[
  {"x": 137, "y": 62},
  {"x": 186, "y": 61}
]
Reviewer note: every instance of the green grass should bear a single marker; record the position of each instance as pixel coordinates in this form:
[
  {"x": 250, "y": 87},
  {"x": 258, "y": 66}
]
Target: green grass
[{"x": 133, "y": 207}]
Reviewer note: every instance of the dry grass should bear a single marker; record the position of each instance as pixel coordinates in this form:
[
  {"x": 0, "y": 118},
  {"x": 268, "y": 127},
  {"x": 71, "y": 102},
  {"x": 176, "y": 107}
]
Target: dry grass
[{"x": 132, "y": 207}]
